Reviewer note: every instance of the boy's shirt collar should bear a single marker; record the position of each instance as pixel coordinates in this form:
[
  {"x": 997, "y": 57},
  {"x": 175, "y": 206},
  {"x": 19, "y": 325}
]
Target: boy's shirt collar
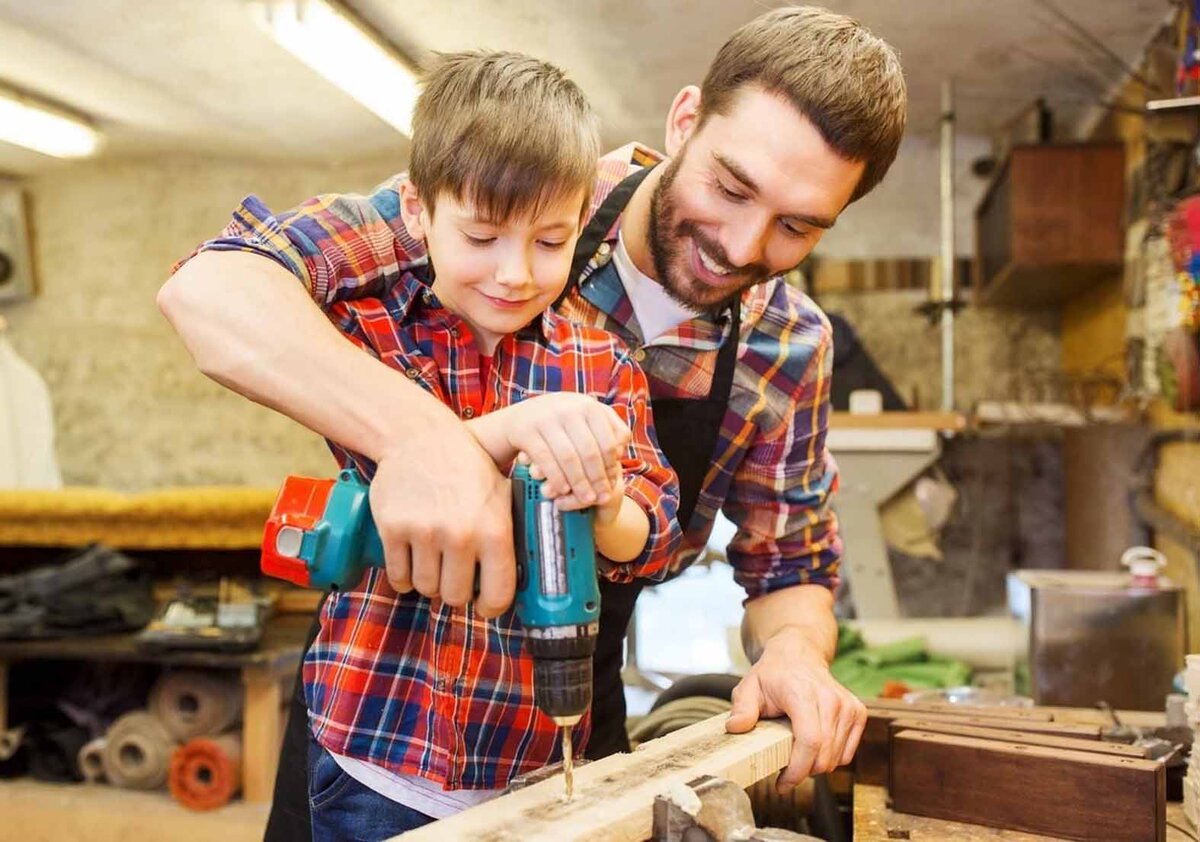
[{"x": 414, "y": 299}]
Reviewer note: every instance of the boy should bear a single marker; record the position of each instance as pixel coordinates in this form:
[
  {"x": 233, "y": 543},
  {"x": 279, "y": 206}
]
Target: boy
[{"x": 418, "y": 706}]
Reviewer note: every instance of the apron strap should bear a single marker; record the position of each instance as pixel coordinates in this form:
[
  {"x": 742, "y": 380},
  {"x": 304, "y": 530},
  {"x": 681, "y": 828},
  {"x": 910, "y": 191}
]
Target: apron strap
[
  {"x": 598, "y": 227},
  {"x": 727, "y": 357}
]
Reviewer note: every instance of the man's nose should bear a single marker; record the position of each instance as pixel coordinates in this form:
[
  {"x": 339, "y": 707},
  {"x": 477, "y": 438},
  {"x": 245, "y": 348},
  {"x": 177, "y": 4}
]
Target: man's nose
[{"x": 745, "y": 241}]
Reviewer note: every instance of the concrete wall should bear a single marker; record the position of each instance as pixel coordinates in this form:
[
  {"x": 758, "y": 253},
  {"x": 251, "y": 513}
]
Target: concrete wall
[
  {"x": 902, "y": 216},
  {"x": 999, "y": 354},
  {"x": 131, "y": 410}
]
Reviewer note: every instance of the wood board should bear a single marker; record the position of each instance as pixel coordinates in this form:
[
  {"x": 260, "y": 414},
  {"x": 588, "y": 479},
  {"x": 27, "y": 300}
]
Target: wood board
[
  {"x": 1072, "y": 794},
  {"x": 614, "y": 797},
  {"x": 871, "y": 759},
  {"x": 1010, "y": 735}
]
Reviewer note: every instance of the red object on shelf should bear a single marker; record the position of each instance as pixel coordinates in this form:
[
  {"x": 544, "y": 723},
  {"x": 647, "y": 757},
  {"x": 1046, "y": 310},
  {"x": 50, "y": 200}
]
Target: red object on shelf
[{"x": 206, "y": 772}]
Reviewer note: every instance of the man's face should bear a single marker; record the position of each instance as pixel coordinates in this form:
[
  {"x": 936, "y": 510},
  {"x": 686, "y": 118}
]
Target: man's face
[{"x": 747, "y": 196}]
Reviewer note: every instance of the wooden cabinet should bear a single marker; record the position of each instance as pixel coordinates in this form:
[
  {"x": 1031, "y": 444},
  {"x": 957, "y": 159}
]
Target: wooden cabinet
[{"x": 1050, "y": 224}]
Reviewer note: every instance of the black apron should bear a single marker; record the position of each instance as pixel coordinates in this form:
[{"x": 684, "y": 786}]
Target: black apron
[{"x": 688, "y": 431}]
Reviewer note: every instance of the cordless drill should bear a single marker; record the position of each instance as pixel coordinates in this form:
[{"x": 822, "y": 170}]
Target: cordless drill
[{"x": 321, "y": 534}]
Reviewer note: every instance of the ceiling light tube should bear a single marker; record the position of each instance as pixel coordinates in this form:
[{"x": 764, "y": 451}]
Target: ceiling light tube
[
  {"x": 42, "y": 128},
  {"x": 330, "y": 40}
]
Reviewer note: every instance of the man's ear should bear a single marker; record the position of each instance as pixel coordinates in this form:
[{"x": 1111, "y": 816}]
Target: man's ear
[
  {"x": 682, "y": 119},
  {"x": 412, "y": 210}
]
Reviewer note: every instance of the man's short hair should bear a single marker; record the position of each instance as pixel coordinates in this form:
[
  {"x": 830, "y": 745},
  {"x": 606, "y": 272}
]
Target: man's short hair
[
  {"x": 504, "y": 131},
  {"x": 840, "y": 76}
]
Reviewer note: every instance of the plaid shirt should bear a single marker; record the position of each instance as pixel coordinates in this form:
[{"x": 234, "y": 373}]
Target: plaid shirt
[
  {"x": 401, "y": 681},
  {"x": 771, "y": 475}
]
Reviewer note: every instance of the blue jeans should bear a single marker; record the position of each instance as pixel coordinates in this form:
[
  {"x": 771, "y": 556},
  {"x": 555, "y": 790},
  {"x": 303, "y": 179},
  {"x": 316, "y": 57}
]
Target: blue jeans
[{"x": 345, "y": 810}]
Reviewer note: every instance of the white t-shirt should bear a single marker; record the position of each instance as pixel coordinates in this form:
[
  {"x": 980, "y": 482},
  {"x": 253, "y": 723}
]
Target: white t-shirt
[
  {"x": 413, "y": 791},
  {"x": 656, "y": 311}
]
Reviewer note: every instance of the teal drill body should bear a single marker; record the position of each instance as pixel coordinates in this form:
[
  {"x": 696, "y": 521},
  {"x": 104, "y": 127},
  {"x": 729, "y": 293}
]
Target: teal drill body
[{"x": 557, "y": 596}]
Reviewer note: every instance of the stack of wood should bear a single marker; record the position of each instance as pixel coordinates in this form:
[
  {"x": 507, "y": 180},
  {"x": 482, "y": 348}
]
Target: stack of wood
[
  {"x": 1013, "y": 768},
  {"x": 1191, "y": 782}
]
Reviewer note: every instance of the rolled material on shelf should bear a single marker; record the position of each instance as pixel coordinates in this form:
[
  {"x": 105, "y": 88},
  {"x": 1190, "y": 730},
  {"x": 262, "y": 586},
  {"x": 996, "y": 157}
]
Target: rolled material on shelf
[
  {"x": 10, "y": 741},
  {"x": 138, "y": 752},
  {"x": 91, "y": 760},
  {"x": 206, "y": 772},
  {"x": 194, "y": 703}
]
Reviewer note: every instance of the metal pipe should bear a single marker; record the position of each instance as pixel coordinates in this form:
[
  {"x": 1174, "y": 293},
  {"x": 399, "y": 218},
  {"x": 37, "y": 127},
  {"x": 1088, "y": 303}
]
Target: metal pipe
[{"x": 947, "y": 253}]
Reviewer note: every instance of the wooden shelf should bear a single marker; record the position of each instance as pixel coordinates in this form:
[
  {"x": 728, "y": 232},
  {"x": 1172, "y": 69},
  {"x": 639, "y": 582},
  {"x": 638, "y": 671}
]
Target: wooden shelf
[{"x": 1050, "y": 225}]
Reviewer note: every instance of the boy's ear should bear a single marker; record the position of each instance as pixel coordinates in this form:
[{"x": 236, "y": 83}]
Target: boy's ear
[
  {"x": 412, "y": 210},
  {"x": 682, "y": 119}
]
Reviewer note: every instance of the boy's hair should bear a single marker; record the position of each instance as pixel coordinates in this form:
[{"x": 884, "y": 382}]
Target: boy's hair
[
  {"x": 504, "y": 131},
  {"x": 842, "y": 78}
]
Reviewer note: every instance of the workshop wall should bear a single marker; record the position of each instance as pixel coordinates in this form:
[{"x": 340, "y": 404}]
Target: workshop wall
[
  {"x": 902, "y": 216},
  {"x": 131, "y": 410},
  {"x": 999, "y": 354}
]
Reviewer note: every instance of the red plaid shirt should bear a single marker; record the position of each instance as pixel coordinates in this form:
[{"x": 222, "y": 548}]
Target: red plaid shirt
[{"x": 401, "y": 681}]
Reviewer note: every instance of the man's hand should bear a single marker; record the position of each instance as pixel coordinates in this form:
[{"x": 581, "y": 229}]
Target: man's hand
[
  {"x": 440, "y": 505},
  {"x": 791, "y": 678}
]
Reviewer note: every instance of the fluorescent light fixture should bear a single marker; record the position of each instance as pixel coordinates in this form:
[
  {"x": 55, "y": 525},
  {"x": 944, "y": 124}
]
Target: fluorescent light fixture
[
  {"x": 44, "y": 129},
  {"x": 331, "y": 41}
]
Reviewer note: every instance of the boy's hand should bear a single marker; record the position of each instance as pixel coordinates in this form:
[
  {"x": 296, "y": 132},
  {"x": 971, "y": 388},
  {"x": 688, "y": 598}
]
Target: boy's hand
[{"x": 574, "y": 442}]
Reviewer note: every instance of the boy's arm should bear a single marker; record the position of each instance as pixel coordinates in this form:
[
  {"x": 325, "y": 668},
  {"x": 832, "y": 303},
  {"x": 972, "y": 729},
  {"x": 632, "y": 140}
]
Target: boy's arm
[
  {"x": 651, "y": 486},
  {"x": 621, "y": 528}
]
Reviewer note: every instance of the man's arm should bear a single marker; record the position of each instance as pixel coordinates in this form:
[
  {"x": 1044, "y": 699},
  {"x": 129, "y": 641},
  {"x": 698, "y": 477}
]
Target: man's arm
[
  {"x": 252, "y": 326},
  {"x": 791, "y": 636},
  {"x": 786, "y": 554}
]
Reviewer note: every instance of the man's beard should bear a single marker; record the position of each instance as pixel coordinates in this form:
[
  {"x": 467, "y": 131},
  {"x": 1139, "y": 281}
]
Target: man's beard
[{"x": 668, "y": 250}]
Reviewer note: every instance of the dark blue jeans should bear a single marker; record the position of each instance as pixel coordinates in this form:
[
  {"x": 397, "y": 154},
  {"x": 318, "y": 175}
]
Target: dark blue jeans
[{"x": 343, "y": 810}]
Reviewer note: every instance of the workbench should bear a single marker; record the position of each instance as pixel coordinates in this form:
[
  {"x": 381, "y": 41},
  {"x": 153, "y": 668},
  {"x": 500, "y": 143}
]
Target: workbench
[
  {"x": 874, "y": 821},
  {"x": 263, "y": 672}
]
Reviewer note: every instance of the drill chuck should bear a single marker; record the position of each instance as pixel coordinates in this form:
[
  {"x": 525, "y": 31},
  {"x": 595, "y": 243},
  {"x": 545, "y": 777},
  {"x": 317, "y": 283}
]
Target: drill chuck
[{"x": 562, "y": 668}]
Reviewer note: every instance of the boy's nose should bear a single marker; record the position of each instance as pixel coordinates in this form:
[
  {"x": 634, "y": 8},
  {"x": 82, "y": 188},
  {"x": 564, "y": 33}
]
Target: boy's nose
[{"x": 513, "y": 271}]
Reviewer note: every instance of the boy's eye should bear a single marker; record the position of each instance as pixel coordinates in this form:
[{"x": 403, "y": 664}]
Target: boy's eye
[
  {"x": 553, "y": 244},
  {"x": 479, "y": 241}
]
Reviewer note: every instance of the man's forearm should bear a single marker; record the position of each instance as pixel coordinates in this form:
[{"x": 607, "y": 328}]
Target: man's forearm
[
  {"x": 251, "y": 326},
  {"x": 803, "y": 611}
]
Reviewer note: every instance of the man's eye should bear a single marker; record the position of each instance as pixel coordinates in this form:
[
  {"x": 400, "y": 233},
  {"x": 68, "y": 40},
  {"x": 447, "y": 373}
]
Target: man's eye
[
  {"x": 731, "y": 195},
  {"x": 793, "y": 231}
]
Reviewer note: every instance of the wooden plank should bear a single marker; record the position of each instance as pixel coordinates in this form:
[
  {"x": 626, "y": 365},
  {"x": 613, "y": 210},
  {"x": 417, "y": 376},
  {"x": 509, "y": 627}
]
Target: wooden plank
[
  {"x": 871, "y": 759},
  {"x": 1072, "y": 794},
  {"x": 614, "y": 797},
  {"x": 921, "y": 420},
  {"x": 1032, "y": 714},
  {"x": 1015, "y": 736}
]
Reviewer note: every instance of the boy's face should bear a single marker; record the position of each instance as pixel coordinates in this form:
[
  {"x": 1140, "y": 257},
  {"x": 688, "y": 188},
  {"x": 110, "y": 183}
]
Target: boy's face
[
  {"x": 745, "y": 196},
  {"x": 496, "y": 276}
]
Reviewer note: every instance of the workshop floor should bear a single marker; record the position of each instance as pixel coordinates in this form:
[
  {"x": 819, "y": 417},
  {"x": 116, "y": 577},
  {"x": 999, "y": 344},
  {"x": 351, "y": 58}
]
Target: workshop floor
[{"x": 41, "y": 812}]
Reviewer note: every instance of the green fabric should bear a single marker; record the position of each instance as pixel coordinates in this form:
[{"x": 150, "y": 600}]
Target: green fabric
[{"x": 865, "y": 669}]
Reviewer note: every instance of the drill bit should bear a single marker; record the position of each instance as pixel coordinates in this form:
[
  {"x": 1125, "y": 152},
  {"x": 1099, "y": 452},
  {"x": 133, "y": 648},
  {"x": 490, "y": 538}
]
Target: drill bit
[{"x": 568, "y": 762}]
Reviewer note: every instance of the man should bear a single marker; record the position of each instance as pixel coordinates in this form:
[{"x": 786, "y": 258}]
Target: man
[{"x": 801, "y": 113}]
